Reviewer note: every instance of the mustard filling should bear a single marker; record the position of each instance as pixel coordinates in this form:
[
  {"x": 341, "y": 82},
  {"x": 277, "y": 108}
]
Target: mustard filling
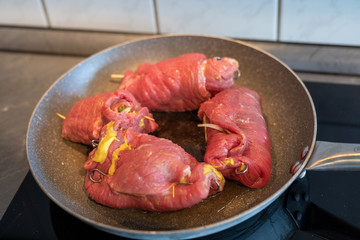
[
  {"x": 183, "y": 179},
  {"x": 208, "y": 169},
  {"x": 104, "y": 144},
  {"x": 229, "y": 161},
  {"x": 103, "y": 147},
  {"x": 114, "y": 157},
  {"x": 142, "y": 121},
  {"x": 242, "y": 167}
]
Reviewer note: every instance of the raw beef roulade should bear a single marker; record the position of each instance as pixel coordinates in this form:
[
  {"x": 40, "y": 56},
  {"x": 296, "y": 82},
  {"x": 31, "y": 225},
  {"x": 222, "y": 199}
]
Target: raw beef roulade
[
  {"x": 135, "y": 170},
  {"x": 86, "y": 118},
  {"x": 238, "y": 143},
  {"x": 181, "y": 83}
]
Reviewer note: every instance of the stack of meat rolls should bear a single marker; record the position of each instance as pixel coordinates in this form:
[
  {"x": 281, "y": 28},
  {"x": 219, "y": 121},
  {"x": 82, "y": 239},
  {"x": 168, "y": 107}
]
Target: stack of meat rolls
[{"x": 129, "y": 168}]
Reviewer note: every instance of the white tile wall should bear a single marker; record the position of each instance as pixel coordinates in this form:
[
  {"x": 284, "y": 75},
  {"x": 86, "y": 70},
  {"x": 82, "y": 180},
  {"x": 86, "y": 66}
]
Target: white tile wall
[
  {"x": 304, "y": 21},
  {"x": 22, "y": 13},
  {"x": 104, "y": 15},
  {"x": 320, "y": 21},
  {"x": 246, "y": 19}
]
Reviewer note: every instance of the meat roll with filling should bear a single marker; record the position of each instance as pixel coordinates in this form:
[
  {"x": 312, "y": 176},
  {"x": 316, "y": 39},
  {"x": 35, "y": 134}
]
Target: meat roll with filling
[
  {"x": 86, "y": 118},
  {"x": 238, "y": 143},
  {"x": 136, "y": 170},
  {"x": 181, "y": 83}
]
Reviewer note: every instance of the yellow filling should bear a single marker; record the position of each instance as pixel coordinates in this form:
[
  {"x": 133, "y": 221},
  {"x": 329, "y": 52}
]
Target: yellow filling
[
  {"x": 242, "y": 167},
  {"x": 208, "y": 169},
  {"x": 142, "y": 123},
  {"x": 184, "y": 178},
  {"x": 104, "y": 144},
  {"x": 103, "y": 147},
  {"x": 114, "y": 157},
  {"x": 229, "y": 161}
]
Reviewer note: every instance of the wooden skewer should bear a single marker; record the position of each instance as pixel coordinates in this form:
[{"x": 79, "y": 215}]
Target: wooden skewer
[
  {"x": 61, "y": 116},
  {"x": 204, "y": 121},
  {"x": 150, "y": 118},
  {"x": 117, "y": 75}
]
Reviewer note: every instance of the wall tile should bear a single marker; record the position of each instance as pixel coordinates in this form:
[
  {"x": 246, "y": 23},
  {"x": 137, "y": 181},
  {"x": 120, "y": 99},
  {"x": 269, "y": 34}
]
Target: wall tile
[
  {"x": 22, "y": 13},
  {"x": 321, "y": 21},
  {"x": 103, "y": 15},
  {"x": 245, "y": 19}
]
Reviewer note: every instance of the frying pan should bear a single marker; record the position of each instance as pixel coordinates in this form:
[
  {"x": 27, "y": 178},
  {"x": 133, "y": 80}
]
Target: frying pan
[{"x": 56, "y": 164}]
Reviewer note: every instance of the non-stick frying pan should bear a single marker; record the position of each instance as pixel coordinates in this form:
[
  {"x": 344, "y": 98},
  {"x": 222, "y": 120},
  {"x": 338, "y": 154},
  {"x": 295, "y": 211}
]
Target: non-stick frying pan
[{"x": 57, "y": 164}]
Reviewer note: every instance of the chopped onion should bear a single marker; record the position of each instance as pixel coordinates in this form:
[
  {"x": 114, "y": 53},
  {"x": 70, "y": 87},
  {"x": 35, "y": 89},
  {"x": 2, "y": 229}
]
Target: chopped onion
[
  {"x": 213, "y": 126},
  {"x": 126, "y": 110}
]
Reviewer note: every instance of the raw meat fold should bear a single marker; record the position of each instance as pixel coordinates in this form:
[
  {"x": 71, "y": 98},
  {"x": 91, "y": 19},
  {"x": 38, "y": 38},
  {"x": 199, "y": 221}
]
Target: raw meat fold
[
  {"x": 86, "y": 118},
  {"x": 240, "y": 148},
  {"x": 137, "y": 170},
  {"x": 181, "y": 83}
]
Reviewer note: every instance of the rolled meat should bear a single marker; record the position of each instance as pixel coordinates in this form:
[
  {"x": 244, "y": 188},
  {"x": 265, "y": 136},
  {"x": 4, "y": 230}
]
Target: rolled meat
[
  {"x": 136, "y": 170},
  {"x": 86, "y": 118},
  {"x": 181, "y": 83},
  {"x": 238, "y": 143}
]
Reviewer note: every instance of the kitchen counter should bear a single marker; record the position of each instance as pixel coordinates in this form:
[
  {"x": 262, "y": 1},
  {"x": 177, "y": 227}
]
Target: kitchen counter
[
  {"x": 24, "y": 78},
  {"x": 32, "y": 60}
]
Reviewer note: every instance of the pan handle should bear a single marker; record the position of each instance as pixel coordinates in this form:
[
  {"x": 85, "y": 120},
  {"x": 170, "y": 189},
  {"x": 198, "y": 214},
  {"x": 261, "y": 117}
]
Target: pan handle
[
  {"x": 328, "y": 187},
  {"x": 330, "y": 156}
]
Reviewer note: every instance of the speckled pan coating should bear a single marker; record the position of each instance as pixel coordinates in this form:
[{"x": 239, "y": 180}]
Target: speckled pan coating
[{"x": 57, "y": 164}]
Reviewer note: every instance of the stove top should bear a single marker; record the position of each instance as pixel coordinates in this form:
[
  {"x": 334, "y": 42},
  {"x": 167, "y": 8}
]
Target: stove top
[
  {"x": 294, "y": 215},
  {"x": 32, "y": 215}
]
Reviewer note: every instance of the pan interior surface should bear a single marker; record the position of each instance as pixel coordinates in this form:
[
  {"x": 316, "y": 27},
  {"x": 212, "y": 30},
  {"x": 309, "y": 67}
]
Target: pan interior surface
[{"x": 57, "y": 164}]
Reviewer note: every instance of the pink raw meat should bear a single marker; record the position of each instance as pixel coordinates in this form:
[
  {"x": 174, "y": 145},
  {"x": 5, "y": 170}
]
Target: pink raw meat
[
  {"x": 181, "y": 83},
  {"x": 86, "y": 118},
  {"x": 245, "y": 139},
  {"x": 150, "y": 173}
]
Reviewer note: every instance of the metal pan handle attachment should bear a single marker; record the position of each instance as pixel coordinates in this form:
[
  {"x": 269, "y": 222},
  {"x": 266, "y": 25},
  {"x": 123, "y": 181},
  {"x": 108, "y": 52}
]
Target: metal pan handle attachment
[
  {"x": 330, "y": 156},
  {"x": 328, "y": 186}
]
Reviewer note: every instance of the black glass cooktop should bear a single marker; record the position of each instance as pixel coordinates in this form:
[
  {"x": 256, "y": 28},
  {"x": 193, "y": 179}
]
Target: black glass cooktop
[{"x": 32, "y": 215}]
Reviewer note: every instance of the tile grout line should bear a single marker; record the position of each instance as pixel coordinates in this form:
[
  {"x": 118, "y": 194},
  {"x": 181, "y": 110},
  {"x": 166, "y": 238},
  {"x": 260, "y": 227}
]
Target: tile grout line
[
  {"x": 156, "y": 17},
  {"x": 46, "y": 13},
  {"x": 278, "y": 21}
]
